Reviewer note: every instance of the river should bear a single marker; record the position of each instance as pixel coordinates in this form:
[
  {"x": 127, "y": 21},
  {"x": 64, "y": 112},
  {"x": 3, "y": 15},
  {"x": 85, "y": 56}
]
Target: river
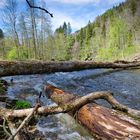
[{"x": 124, "y": 84}]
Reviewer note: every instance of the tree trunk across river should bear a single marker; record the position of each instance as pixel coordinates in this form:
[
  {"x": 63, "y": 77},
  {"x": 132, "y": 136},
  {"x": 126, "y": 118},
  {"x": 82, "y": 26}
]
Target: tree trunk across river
[{"x": 8, "y": 68}]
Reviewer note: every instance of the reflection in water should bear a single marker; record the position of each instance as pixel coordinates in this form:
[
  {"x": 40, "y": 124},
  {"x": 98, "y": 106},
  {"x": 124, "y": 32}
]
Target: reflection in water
[{"x": 124, "y": 84}]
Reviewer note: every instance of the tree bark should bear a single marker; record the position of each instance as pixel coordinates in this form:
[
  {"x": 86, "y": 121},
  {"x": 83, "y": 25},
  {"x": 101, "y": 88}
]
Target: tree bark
[
  {"x": 9, "y": 68},
  {"x": 102, "y": 123}
]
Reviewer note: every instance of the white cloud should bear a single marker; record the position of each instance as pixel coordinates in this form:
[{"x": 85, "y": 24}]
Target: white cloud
[
  {"x": 78, "y": 2},
  {"x": 2, "y": 3}
]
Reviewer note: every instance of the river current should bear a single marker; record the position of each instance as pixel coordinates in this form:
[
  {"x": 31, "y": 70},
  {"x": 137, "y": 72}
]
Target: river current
[{"x": 124, "y": 84}]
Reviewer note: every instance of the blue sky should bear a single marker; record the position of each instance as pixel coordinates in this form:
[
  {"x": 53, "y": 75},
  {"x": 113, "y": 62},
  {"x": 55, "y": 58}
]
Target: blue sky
[{"x": 77, "y": 12}]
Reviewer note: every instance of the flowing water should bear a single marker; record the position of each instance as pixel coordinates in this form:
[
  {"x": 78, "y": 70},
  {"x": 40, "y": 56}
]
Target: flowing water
[{"x": 124, "y": 84}]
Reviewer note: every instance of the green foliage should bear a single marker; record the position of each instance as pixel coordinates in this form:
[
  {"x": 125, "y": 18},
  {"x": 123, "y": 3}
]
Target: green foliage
[
  {"x": 110, "y": 53},
  {"x": 60, "y": 51},
  {"x": 22, "y": 104},
  {"x": 119, "y": 44},
  {"x": 120, "y": 7},
  {"x": 114, "y": 53},
  {"x": 97, "y": 23},
  {"x": 69, "y": 29},
  {"x": 12, "y": 55},
  {"x": 104, "y": 30},
  {"x": 130, "y": 50},
  {"x": 109, "y": 37},
  {"x": 1, "y": 34},
  {"x": 118, "y": 34},
  {"x": 68, "y": 46},
  {"x": 110, "y": 13},
  {"x": 88, "y": 32},
  {"x": 2, "y": 49},
  {"x": 59, "y": 30},
  {"x": 81, "y": 36},
  {"x": 85, "y": 52},
  {"x": 133, "y": 7},
  {"x": 65, "y": 28}
]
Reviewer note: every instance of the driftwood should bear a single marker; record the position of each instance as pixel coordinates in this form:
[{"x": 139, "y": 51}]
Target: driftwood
[
  {"x": 103, "y": 123},
  {"x": 13, "y": 130},
  {"x": 9, "y": 68},
  {"x": 25, "y": 121}
]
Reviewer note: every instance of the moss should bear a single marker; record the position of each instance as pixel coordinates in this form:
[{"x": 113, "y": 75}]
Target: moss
[
  {"x": 3, "y": 86},
  {"x": 22, "y": 104},
  {"x": 121, "y": 109},
  {"x": 137, "y": 118},
  {"x": 125, "y": 111},
  {"x": 58, "y": 99}
]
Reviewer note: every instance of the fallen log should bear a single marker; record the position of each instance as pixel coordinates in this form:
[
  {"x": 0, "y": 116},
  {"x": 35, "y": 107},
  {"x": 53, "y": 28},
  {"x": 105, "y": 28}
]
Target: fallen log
[
  {"x": 102, "y": 123},
  {"x": 9, "y": 68}
]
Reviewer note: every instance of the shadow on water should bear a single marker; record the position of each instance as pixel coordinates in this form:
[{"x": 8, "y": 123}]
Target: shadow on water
[{"x": 124, "y": 84}]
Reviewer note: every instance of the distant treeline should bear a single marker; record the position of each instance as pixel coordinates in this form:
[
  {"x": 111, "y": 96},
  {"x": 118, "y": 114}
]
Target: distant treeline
[{"x": 113, "y": 35}]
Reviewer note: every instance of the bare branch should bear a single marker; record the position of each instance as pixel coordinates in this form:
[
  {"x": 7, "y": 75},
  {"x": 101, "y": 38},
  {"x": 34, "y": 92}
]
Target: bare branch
[
  {"x": 25, "y": 121},
  {"x": 4, "y": 127},
  {"x": 31, "y": 6},
  {"x": 74, "y": 104}
]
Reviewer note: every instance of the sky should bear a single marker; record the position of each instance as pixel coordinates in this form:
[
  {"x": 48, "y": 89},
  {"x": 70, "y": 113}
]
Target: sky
[{"x": 77, "y": 12}]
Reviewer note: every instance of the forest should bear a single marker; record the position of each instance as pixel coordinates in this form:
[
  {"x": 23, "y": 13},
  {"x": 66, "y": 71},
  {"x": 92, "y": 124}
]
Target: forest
[
  {"x": 66, "y": 84},
  {"x": 28, "y": 35}
]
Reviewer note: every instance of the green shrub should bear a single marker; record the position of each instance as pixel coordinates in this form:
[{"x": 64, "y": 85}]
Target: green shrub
[
  {"x": 22, "y": 104},
  {"x": 12, "y": 54}
]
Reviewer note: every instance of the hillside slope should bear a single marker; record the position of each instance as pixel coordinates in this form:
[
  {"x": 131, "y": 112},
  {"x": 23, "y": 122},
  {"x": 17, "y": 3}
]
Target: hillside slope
[{"x": 113, "y": 35}]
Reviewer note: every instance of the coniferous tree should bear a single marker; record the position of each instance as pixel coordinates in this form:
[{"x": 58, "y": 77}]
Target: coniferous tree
[
  {"x": 88, "y": 32},
  {"x": 65, "y": 28},
  {"x": 10, "y": 17},
  {"x": 81, "y": 36},
  {"x": 59, "y": 30},
  {"x": 1, "y": 34},
  {"x": 69, "y": 30},
  {"x": 133, "y": 7},
  {"x": 2, "y": 49}
]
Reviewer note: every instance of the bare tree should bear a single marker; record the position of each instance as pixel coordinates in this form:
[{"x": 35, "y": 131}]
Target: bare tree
[
  {"x": 2, "y": 49},
  {"x": 24, "y": 35},
  {"x": 33, "y": 29},
  {"x": 45, "y": 31},
  {"x": 10, "y": 20}
]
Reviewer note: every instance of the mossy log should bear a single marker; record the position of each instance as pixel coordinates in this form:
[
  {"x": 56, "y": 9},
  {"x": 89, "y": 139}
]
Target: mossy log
[
  {"x": 9, "y": 68},
  {"x": 103, "y": 123}
]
